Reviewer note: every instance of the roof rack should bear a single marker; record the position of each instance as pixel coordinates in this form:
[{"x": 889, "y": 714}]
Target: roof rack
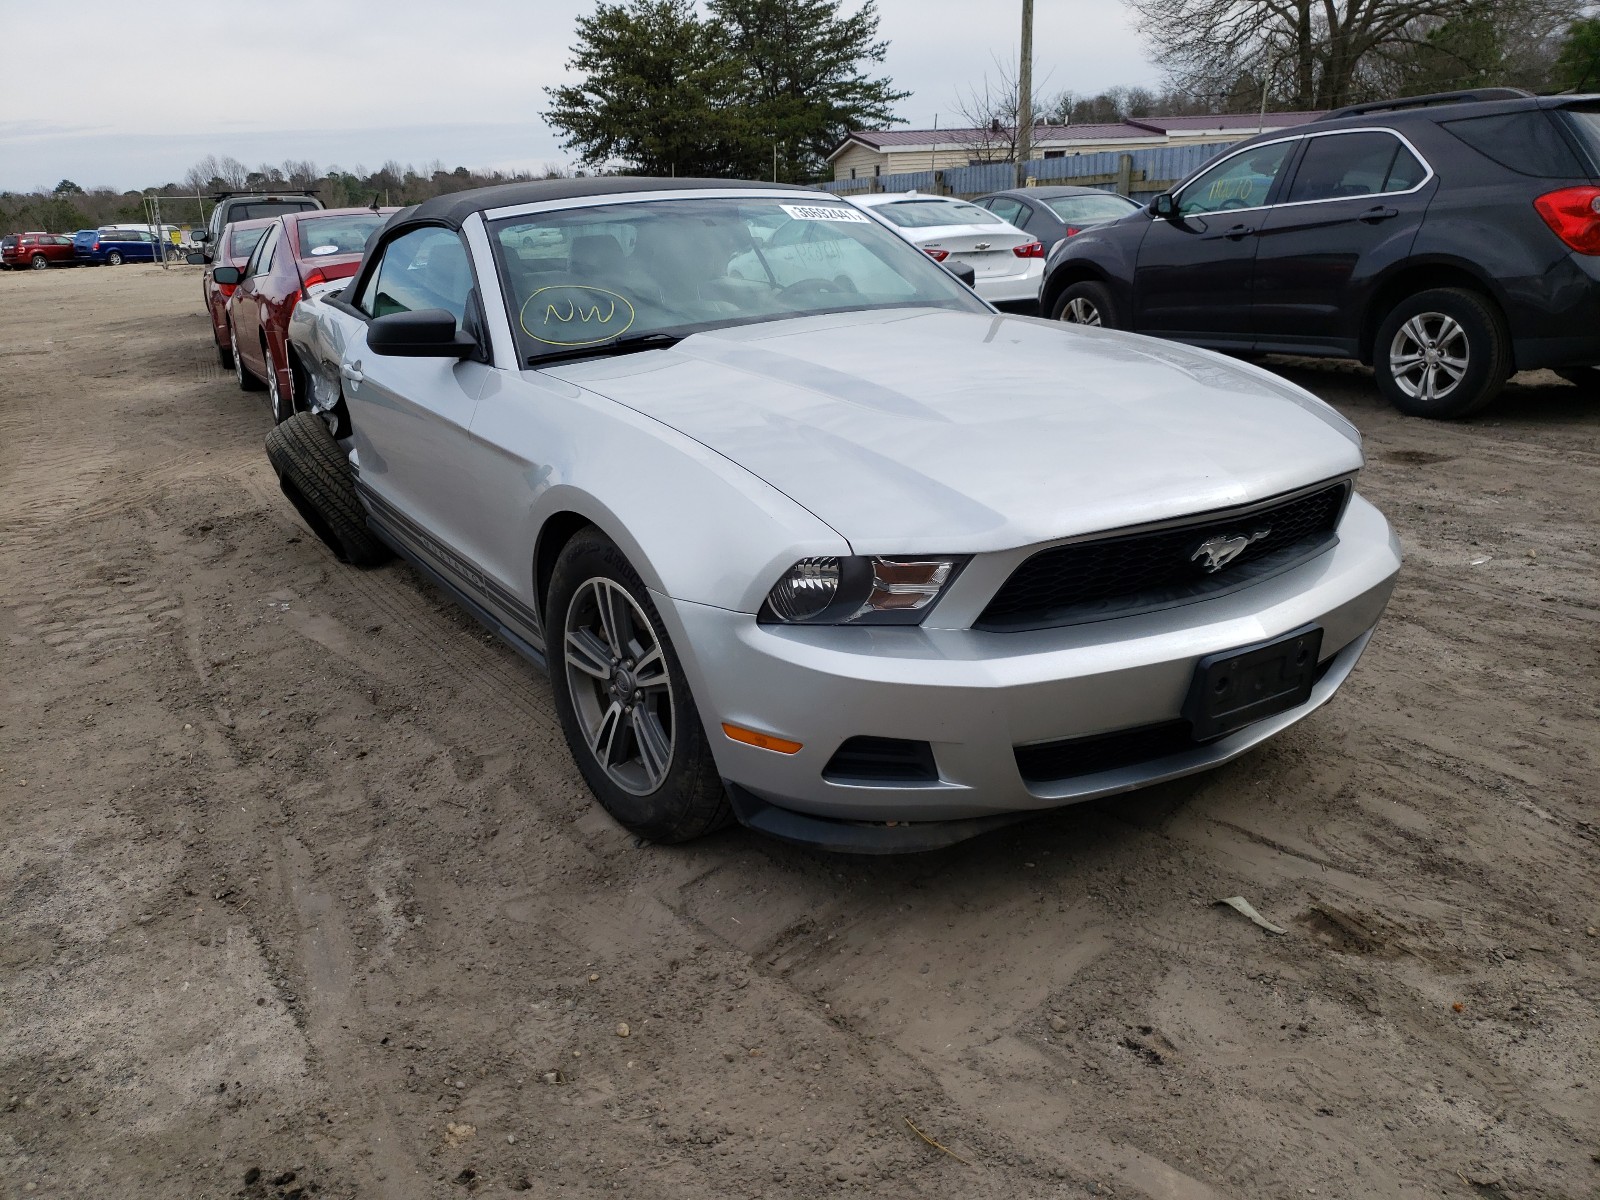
[
  {"x": 1492, "y": 93},
  {"x": 285, "y": 190}
]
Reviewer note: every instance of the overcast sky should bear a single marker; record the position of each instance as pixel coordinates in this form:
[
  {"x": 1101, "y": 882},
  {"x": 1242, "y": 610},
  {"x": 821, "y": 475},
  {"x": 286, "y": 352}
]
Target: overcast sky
[{"x": 351, "y": 82}]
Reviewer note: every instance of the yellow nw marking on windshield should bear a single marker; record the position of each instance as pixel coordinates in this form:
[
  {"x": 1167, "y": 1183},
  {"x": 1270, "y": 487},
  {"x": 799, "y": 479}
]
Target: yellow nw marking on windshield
[{"x": 586, "y": 314}]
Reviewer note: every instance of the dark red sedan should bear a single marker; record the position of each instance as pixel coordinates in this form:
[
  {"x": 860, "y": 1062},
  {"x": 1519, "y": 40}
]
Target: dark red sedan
[
  {"x": 233, "y": 250},
  {"x": 37, "y": 251},
  {"x": 298, "y": 250}
]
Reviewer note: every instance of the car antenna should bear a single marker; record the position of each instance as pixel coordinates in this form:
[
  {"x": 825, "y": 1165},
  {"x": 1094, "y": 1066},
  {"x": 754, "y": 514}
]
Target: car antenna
[{"x": 374, "y": 204}]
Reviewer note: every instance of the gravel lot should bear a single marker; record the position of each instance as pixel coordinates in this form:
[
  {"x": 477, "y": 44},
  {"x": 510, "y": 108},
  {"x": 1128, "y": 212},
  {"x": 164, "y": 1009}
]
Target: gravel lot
[{"x": 304, "y": 897}]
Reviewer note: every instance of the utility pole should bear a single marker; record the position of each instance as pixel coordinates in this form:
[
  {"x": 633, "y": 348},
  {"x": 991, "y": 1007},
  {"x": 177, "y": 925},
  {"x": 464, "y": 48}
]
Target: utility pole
[{"x": 1025, "y": 95}]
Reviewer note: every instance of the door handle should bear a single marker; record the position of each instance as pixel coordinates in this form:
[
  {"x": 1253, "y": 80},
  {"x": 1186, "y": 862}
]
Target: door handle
[
  {"x": 351, "y": 373},
  {"x": 1373, "y": 215},
  {"x": 1239, "y": 231}
]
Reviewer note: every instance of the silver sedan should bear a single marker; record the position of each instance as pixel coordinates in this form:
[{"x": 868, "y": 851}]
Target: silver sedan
[{"x": 810, "y": 536}]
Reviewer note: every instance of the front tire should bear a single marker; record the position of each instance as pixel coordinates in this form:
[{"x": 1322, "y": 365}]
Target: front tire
[
  {"x": 1086, "y": 303},
  {"x": 624, "y": 703},
  {"x": 114, "y": 259},
  {"x": 1443, "y": 354}
]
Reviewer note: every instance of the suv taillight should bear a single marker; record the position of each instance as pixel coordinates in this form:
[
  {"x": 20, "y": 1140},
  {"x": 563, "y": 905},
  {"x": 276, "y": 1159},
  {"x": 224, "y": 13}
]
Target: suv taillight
[{"x": 1573, "y": 215}]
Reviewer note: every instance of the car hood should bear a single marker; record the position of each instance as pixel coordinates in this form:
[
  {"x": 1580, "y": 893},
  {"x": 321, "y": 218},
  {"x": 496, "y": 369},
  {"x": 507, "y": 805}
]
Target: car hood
[{"x": 915, "y": 430}]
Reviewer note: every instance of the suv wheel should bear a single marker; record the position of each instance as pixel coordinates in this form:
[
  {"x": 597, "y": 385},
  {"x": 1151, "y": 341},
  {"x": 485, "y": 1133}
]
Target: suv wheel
[
  {"x": 1442, "y": 353},
  {"x": 624, "y": 703},
  {"x": 1086, "y": 303},
  {"x": 114, "y": 259},
  {"x": 40, "y": 262}
]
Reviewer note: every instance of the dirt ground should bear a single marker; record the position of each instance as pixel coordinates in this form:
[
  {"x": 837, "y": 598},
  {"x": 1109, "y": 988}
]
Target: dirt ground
[{"x": 303, "y": 896}]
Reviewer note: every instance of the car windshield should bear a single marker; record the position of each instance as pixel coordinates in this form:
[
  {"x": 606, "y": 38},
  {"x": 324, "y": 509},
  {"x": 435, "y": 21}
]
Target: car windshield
[
  {"x": 1085, "y": 209},
  {"x": 344, "y": 234},
  {"x": 925, "y": 214},
  {"x": 244, "y": 241},
  {"x": 600, "y": 275}
]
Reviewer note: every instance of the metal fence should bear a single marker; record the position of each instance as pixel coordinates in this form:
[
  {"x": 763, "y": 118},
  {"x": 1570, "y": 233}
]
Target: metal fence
[{"x": 1130, "y": 173}]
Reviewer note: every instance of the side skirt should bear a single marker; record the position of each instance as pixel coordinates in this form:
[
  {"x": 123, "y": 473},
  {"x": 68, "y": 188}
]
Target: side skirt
[{"x": 488, "y": 603}]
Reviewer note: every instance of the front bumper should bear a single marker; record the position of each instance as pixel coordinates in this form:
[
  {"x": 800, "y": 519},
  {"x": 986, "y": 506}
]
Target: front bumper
[{"x": 977, "y": 696}]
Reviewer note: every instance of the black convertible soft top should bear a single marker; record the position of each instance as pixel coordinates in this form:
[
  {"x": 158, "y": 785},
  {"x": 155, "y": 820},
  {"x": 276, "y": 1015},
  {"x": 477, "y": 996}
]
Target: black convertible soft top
[{"x": 456, "y": 207}]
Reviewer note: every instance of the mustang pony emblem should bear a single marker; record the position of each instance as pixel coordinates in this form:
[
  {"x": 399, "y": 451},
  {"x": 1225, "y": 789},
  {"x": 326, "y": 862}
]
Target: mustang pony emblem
[{"x": 1218, "y": 552}]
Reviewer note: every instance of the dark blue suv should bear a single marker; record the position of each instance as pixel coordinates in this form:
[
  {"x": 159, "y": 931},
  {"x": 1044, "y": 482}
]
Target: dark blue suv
[
  {"x": 116, "y": 246},
  {"x": 1446, "y": 240}
]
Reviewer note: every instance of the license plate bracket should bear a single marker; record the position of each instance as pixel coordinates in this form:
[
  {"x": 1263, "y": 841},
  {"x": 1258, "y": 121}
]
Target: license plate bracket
[{"x": 1237, "y": 687}]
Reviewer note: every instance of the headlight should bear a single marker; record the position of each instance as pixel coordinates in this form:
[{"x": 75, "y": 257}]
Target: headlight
[{"x": 858, "y": 591}]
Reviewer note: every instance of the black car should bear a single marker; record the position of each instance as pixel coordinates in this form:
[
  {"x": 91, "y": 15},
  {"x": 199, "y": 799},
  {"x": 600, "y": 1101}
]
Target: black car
[
  {"x": 1447, "y": 240},
  {"x": 1053, "y": 214}
]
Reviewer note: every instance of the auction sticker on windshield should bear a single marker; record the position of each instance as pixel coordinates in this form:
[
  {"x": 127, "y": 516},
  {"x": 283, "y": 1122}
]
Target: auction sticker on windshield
[
  {"x": 825, "y": 212},
  {"x": 572, "y": 314}
]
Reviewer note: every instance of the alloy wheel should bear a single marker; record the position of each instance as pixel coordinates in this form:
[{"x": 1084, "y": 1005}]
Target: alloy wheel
[
  {"x": 621, "y": 690},
  {"x": 40, "y": 262},
  {"x": 114, "y": 259},
  {"x": 1429, "y": 356},
  {"x": 273, "y": 393},
  {"x": 238, "y": 363},
  {"x": 1080, "y": 311}
]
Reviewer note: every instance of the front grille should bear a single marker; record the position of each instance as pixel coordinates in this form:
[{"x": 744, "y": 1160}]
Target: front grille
[{"x": 1138, "y": 572}]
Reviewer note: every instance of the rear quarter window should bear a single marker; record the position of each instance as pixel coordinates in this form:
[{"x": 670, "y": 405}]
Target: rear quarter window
[
  {"x": 1526, "y": 142},
  {"x": 1584, "y": 124}
]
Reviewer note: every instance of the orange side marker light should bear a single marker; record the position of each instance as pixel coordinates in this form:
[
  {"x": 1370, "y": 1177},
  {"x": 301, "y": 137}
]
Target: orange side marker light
[{"x": 765, "y": 741}]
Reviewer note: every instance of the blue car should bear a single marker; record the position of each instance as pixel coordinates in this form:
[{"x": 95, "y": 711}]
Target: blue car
[{"x": 116, "y": 246}]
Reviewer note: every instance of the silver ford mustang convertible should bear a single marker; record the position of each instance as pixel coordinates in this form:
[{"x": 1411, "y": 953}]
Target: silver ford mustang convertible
[{"x": 808, "y": 535}]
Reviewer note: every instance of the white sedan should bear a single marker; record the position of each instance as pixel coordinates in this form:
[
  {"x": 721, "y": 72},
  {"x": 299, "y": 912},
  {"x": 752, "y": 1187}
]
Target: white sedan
[{"x": 1008, "y": 263}]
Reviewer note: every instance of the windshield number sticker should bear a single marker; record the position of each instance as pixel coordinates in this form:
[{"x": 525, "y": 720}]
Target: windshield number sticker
[
  {"x": 571, "y": 314},
  {"x": 826, "y": 212}
]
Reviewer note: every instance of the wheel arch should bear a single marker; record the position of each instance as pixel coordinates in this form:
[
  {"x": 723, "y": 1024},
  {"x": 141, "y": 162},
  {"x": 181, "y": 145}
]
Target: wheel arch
[
  {"x": 558, "y": 529},
  {"x": 1077, "y": 270},
  {"x": 1422, "y": 276}
]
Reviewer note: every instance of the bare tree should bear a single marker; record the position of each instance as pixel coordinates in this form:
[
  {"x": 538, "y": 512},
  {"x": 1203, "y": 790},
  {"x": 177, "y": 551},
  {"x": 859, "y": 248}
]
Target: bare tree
[
  {"x": 1315, "y": 53},
  {"x": 990, "y": 108}
]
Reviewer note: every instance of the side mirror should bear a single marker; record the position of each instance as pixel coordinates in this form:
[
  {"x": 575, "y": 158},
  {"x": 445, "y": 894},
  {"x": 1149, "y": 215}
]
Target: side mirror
[
  {"x": 199, "y": 235},
  {"x": 1164, "y": 206},
  {"x": 227, "y": 275},
  {"x": 964, "y": 272},
  {"x": 426, "y": 333},
  {"x": 194, "y": 258}
]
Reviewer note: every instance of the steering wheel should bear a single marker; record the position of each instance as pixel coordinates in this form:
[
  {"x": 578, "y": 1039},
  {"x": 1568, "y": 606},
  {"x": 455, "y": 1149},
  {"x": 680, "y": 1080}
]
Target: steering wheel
[
  {"x": 1232, "y": 202},
  {"x": 812, "y": 285}
]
